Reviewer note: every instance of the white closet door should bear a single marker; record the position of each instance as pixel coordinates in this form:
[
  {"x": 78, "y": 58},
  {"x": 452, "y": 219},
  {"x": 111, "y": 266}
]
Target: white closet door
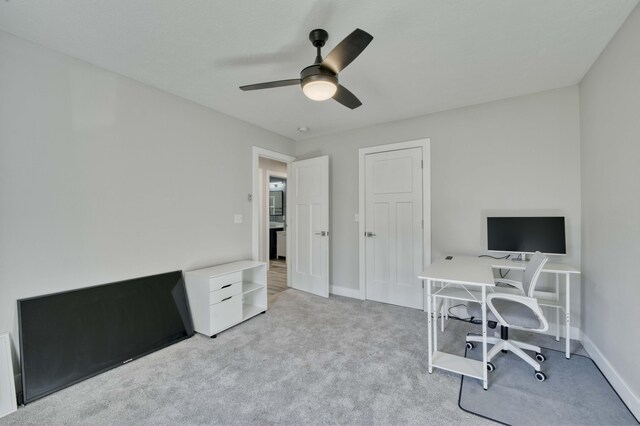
[
  {"x": 308, "y": 206},
  {"x": 393, "y": 227}
]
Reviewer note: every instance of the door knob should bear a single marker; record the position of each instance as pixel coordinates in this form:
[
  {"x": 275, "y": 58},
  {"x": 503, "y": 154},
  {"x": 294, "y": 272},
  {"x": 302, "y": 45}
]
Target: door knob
[
  {"x": 369, "y": 234},
  {"x": 322, "y": 233}
]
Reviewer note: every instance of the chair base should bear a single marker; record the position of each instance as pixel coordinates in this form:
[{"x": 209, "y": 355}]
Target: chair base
[{"x": 513, "y": 346}]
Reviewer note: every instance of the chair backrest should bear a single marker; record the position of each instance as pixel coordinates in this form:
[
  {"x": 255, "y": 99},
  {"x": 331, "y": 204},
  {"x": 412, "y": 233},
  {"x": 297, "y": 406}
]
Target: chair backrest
[{"x": 532, "y": 272}]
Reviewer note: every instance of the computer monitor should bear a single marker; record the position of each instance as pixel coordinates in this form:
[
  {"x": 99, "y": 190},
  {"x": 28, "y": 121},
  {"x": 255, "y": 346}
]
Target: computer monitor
[{"x": 526, "y": 234}]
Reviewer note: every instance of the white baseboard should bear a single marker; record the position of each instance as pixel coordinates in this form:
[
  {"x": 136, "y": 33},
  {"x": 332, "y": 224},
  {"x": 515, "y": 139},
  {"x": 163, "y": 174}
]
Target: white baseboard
[
  {"x": 354, "y": 293},
  {"x": 628, "y": 396},
  {"x": 575, "y": 331}
]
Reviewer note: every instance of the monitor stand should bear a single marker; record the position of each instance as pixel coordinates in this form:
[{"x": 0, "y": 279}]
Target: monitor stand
[{"x": 523, "y": 258}]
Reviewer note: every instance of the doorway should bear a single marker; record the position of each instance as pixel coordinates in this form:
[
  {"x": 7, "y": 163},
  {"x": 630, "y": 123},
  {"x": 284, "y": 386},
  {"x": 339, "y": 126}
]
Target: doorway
[
  {"x": 395, "y": 237},
  {"x": 273, "y": 237},
  {"x": 276, "y": 234},
  {"x": 305, "y": 218}
]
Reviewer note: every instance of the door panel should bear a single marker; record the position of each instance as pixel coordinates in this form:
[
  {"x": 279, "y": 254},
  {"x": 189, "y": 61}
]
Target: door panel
[
  {"x": 392, "y": 175},
  {"x": 309, "y": 221},
  {"x": 393, "y": 223},
  {"x": 300, "y": 237},
  {"x": 316, "y": 262},
  {"x": 405, "y": 244}
]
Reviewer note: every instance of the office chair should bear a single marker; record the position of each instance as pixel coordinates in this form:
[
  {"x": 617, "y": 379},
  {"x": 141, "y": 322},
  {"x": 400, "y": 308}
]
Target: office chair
[{"x": 519, "y": 310}]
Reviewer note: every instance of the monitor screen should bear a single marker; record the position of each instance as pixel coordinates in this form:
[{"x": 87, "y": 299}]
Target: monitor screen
[
  {"x": 526, "y": 234},
  {"x": 70, "y": 336}
]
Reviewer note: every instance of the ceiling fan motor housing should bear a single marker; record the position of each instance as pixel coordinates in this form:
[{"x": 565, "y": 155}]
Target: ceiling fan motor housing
[
  {"x": 316, "y": 73},
  {"x": 318, "y": 83}
]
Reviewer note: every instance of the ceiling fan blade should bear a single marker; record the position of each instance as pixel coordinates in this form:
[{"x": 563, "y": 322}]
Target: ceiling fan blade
[
  {"x": 346, "y": 98},
  {"x": 271, "y": 84},
  {"x": 347, "y": 50}
]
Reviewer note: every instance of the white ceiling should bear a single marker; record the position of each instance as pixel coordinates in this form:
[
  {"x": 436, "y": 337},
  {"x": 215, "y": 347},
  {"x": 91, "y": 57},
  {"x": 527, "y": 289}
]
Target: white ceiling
[{"x": 426, "y": 56}]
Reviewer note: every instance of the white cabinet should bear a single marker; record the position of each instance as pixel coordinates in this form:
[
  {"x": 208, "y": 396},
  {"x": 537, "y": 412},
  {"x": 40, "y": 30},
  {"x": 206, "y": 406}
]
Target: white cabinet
[
  {"x": 225, "y": 295},
  {"x": 281, "y": 240}
]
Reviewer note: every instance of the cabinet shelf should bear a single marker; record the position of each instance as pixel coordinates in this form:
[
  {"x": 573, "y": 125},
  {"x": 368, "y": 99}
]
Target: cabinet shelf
[
  {"x": 249, "y": 286},
  {"x": 249, "y": 311}
]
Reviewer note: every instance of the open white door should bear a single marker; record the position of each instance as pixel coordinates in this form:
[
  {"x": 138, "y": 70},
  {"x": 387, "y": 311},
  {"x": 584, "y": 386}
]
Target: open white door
[{"x": 308, "y": 207}]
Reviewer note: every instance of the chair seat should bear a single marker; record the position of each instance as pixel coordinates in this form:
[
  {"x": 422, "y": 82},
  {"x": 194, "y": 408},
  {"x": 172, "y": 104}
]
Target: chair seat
[{"x": 514, "y": 313}]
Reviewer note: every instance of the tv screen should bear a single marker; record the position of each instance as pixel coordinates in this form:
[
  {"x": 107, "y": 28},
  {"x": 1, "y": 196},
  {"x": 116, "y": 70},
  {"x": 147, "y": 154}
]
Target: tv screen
[
  {"x": 526, "y": 234},
  {"x": 70, "y": 336}
]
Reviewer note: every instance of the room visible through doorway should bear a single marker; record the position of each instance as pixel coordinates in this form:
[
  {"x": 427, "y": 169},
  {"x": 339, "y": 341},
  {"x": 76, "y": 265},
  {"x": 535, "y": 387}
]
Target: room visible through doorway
[
  {"x": 273, "y": 235},
  {"x": 277, "y": 272}
]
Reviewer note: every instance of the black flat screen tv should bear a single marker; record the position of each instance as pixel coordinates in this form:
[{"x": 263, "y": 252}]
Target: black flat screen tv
[
  {"x": 526, "y": 234},
  {"x": 70, "y": 336}
]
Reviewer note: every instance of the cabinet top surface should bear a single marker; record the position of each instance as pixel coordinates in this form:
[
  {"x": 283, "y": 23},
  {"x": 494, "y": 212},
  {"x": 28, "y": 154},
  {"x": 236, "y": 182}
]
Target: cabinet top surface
[{"x": 227, "y": 268}]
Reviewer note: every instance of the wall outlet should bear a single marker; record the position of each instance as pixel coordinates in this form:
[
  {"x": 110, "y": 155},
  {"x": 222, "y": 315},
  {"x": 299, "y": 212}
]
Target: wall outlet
[{"x": 237, "y": 218}]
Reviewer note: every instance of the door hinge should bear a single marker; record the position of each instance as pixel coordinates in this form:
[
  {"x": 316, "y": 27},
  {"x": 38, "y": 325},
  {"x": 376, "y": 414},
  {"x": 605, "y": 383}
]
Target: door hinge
[
  {"x": 422, "y": 223},
  {"x": 422, "y": 164}
]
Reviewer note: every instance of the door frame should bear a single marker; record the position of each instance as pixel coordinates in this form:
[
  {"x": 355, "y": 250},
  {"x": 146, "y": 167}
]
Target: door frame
[
  {"x": 256, "y": 153},
  {"x": 425, "y": 144}
]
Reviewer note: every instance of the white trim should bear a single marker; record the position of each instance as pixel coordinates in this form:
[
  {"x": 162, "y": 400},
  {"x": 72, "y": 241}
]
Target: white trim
[
  {"x": 626, "y": 393},
  {"x": 288, "y": 215},
  {"x": 575, "y": 331},
  {"x": 353, "y": 293},
  {"x": 256, "y": 153},
  {"x": 426, "y": 201},
  {"x": 8, "y": 402}
]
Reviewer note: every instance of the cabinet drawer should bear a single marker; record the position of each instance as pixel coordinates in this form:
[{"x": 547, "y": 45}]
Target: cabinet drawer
[
  {"x": 223, "y": 293},
  {"x": 226, "y": 313},
  {"x": 217, "y": 283}
]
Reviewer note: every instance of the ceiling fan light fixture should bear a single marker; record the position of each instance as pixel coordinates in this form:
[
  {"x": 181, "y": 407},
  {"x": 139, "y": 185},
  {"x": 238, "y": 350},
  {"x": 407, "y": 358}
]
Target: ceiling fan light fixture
[{"x": 320, "y": 87}]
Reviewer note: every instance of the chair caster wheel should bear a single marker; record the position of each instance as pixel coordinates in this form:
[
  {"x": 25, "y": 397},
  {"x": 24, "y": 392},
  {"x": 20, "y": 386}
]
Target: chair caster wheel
[
  {"x": 491, "y": 366},
  {"x": 470, "y": 345},
  {"x": 540, "y": 376},
  {"x": 540, "y": 357}
]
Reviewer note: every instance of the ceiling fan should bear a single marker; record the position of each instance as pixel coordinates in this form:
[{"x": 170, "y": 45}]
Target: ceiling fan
[{"x": 320, "y": 81}]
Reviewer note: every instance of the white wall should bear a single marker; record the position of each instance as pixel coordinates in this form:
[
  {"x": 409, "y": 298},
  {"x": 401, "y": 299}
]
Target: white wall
[
  {"x": 517, "y": 156},
  {"x": 610, "y": 132},
  {"x": 103, "y": 178}
]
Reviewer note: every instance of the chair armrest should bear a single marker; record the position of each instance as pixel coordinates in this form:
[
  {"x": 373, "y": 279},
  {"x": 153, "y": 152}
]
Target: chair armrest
[{"x": 529, "y": 302}]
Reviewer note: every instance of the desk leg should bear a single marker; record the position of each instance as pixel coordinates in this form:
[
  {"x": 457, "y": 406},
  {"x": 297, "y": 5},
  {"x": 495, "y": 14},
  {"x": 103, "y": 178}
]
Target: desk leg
[
  {"x": 484, "y": 338},
  {"x": 442, "y": 309},
  {"x": 568, "y": 315},
  {"x": 435, "y": 323},
  {"x": 557, "y": 309},
  {"x": 429, "y": 348}
]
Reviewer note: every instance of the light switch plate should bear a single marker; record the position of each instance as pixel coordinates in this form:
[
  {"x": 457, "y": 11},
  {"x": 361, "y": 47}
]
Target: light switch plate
[
  {"x": 237, "y": 218},
  {"x": 357, "y": 216}
]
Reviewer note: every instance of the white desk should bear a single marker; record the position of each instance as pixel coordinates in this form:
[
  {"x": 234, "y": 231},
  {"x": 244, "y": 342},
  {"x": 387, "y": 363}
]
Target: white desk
[
  {"x": 467, "y": 278},
  {"x": 464, "y": 278}
]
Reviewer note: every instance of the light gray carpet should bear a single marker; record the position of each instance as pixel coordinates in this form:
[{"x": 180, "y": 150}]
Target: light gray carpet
[
  {"x": 308, "y": 360},
  {"x": 575, "y": 393}
]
